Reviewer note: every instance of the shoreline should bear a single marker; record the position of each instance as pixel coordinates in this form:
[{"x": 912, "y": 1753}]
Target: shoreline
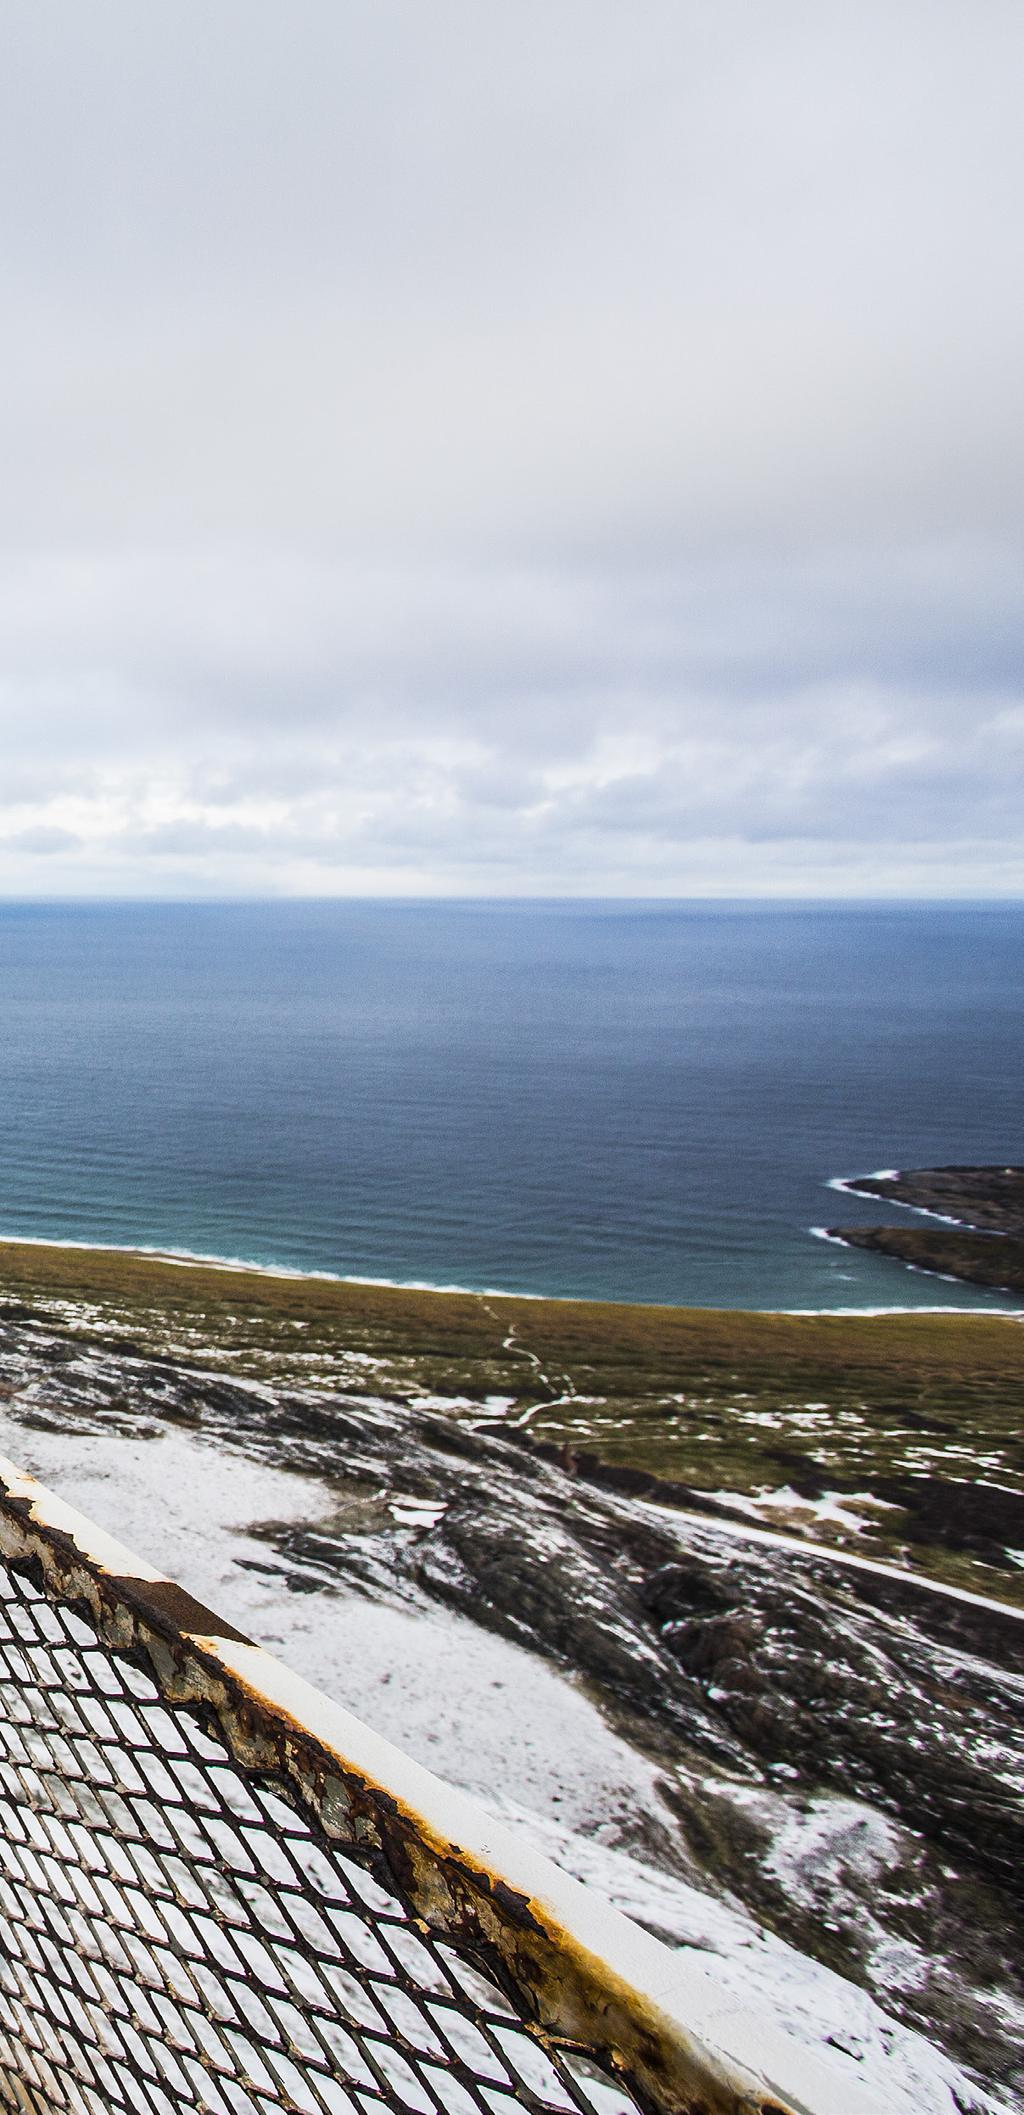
[
  {"x": 240, "y": 1266},
  {"x": 975, "y": 1230},
  {"x": 920, "y": 1270},
  {"x": 892, "y": 1432},
  {"x": 847, "y": 1186}
]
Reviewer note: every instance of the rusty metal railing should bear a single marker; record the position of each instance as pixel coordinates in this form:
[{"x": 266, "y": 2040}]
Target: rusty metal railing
[{"x": 219, "y": 1891}]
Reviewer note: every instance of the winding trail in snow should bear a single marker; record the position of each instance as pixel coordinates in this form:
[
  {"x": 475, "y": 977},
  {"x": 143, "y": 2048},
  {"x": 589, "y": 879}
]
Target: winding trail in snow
[
  {"x": 747, "y": 1530},
  {"x": 555, "y": 1396}
]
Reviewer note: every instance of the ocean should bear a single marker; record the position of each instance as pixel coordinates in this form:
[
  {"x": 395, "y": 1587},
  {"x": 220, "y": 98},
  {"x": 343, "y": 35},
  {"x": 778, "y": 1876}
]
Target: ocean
[{"x": 629, "y": 1101}]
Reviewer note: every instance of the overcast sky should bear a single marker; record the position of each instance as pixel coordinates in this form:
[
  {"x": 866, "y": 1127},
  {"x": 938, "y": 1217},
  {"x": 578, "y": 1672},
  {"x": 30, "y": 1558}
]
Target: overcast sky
[{"x": 511, "y": 446}]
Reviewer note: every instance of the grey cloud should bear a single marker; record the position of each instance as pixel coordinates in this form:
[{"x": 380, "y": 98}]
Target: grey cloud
[
  {"x": 185, "y": 839},
  {"x": 41, "y": 841},
  {"x": 317, "y": 645},
  {"x": 587, "y": 278},
  {"x": 499, "y": 783},
  {"x": 575, "y": 445}
]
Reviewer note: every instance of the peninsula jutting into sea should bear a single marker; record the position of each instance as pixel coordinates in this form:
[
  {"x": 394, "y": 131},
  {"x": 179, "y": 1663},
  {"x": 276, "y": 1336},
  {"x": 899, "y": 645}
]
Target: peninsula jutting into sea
[{"x": 985, "y": 1206}]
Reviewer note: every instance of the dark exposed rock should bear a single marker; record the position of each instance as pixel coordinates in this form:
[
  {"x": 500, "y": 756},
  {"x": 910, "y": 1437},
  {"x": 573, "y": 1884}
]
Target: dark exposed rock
[
  {"x": 733, "y": 1661},
  {"x": 620, "y": 1476},
  {"x": 982, "y": 1631},
  {"x": 990, "y": 1199},
  {"x": 992, "y": 1260},
  {"x": 985, "y": 1245},
  {"x": 685, "y": 1588},
  {"x": 964, "y": 1516}
]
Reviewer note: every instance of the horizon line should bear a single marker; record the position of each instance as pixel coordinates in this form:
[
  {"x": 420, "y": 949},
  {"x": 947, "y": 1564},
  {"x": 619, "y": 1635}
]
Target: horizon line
[{"x": 216, "y": 899}]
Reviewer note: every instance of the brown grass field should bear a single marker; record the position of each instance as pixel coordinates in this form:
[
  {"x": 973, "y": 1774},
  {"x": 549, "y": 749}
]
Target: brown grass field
[{"x": 913, "y": 1421}]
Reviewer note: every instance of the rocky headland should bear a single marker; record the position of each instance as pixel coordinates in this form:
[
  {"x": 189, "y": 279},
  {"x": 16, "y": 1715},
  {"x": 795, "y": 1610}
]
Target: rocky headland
[{"x": 982, "y": 1242}]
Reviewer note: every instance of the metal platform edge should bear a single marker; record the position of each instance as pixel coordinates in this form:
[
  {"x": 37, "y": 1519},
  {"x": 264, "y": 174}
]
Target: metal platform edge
[{"x": 582, "y": 1972}]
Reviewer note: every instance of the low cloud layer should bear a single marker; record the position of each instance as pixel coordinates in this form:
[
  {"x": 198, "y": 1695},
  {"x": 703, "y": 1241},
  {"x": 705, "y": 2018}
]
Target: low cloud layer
[{"x": 571, "y": 448}]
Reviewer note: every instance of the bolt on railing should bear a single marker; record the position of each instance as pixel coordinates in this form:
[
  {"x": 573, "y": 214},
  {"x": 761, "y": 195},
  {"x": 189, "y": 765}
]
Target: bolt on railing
[{"x": 221, "y": 1892}]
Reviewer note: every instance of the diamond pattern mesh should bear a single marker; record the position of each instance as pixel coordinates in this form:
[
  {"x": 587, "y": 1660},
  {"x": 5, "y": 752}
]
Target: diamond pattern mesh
[{"x": 175, "y": 1934}]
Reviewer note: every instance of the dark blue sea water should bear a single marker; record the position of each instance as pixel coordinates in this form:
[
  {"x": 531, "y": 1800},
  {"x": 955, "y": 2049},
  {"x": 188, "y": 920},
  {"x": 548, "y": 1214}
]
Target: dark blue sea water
[{"x": 640, "y": 1102}]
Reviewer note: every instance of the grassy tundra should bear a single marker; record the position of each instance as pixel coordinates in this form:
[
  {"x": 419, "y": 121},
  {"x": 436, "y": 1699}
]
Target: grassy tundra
[{"x": 898, "y": 1436}]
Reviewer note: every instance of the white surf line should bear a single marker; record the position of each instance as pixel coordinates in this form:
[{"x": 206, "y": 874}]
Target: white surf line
[
  {"x": 921, "y": 1270},
  {"x": 847, "y": 1184},
  {"x": 188, "y": 1258},
  {"x": 795, "y": 1545}
]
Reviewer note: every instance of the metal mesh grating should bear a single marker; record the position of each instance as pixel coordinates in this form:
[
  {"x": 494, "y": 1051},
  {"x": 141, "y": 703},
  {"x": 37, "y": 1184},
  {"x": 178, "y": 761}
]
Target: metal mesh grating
[{"x": 177, "y": 1932}]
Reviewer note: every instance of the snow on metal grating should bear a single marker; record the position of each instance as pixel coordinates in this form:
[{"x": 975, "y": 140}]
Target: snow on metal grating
[
  {"x": 220, "y": 1892},
  {"x": 175, "y": 1935}
]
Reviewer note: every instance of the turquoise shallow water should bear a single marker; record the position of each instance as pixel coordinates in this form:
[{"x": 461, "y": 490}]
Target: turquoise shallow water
[{"x": 628, "y": 1101}]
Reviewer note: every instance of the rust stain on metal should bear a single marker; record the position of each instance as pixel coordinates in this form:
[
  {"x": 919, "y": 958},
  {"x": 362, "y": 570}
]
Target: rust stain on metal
[
  {"x": 169, "y": 1607},
  {"x": 567, "y": 1997}
]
